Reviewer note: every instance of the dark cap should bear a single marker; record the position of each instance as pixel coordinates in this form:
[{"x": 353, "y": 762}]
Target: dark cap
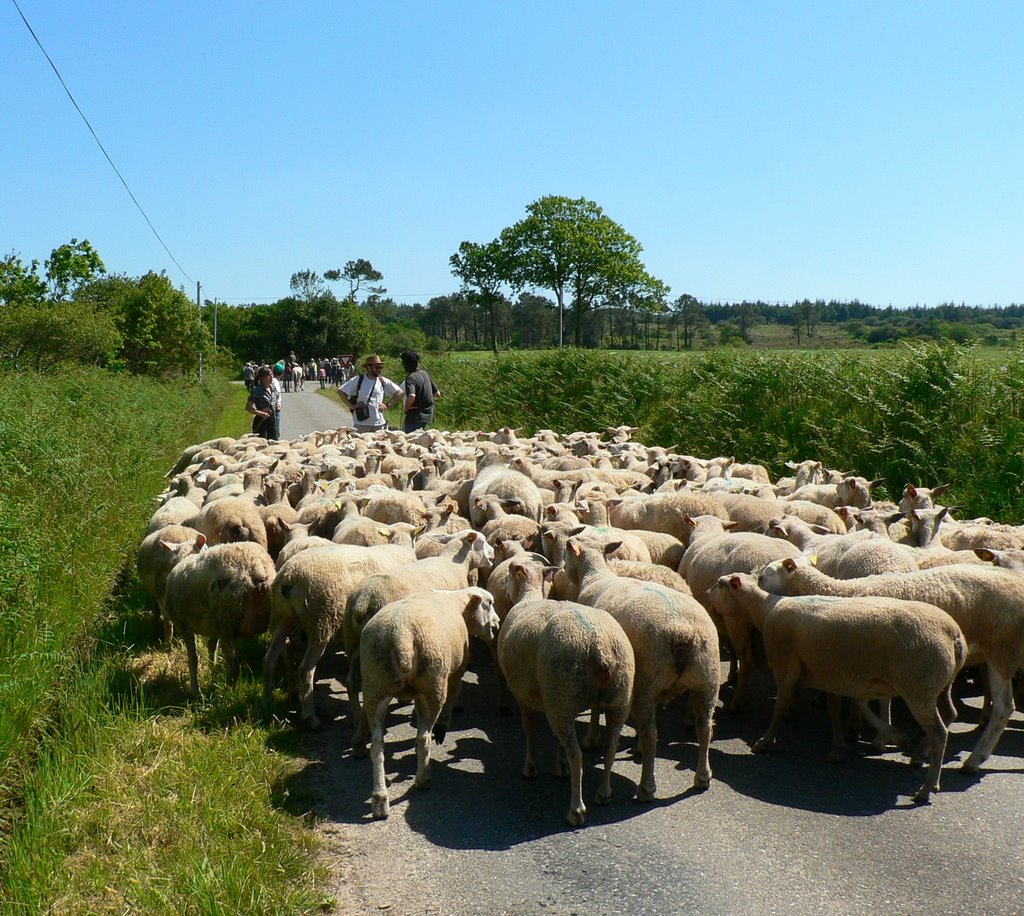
[{"x": 410, "y": 357}]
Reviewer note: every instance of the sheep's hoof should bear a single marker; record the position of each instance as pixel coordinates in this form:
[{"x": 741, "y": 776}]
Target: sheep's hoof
[
  {"x": 590, "y": 742},
  {"x": 762, "y": 745},
  {"x": 701, "y": 781},
  {"x": 381, "y": 807},
  {"x": 835, "y": 755},
  {"x": 529, "y": 771},
  {"x": 603, "y": 795},
  {"x": 644, "y": 794},
  {"x": 922, "y": 796},
  {"x": 359, "y": 749},
  {"x": 422, "y": 782},
  {"x": 312, "y": 722},
  {"x": 971, "y": 765},
  {"x": 577, "y": 816}
]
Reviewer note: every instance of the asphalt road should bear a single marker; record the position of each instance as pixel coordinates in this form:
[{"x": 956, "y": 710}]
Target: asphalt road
[
  {"x": 782, "y": 833},
  {"x": 304, "y": 411}
]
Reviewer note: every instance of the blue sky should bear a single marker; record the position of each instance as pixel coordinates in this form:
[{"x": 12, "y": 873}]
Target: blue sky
[{"x": 756, "y": 150}]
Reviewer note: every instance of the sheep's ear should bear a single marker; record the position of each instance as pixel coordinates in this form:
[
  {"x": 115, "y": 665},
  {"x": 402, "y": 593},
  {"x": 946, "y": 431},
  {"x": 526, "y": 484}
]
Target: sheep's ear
[
  {"x": 942, "y": 514},
  {"x": 788, "y": 564},
  {"x": 731, "y": 526},
  {"x": 578, "y": 529},
  {"x": 820, "y": 529},
  {"x": 385, "y": 532},
  {"x": 614, "y": 503},
  {"x": 200, "y": 541},
  {"x": 792, "y": 465},
  {"x": 688, "y": 520},
  {"x": 939, "y": 490},
  {"x": 875, "y": 483},
  {"x": 574, "y": 548},
  {"x": 550, "y": 510},
  {"x": 813, "y": 559},
  {"x": 910, "y": 490},
  {"x": 418, "y": 530},
  {"x": 735, "y": 582},
  {"x": 519, "y": 570},
  {"x": 527, "y": 543},
  {"x": 612, "y": 547},
  {"x": 983, "y": 553},
  {"x": 511, "y": 503},
  {"x": 549, "y": 572},
  {"x": 169, "y": 545}
]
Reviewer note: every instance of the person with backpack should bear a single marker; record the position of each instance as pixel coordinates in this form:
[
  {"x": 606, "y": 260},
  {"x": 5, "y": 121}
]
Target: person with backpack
[{"x": 369, "y": 394}]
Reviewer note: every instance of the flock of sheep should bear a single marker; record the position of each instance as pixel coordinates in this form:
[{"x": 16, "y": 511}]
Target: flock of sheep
[{"x": 603, "y": 574}]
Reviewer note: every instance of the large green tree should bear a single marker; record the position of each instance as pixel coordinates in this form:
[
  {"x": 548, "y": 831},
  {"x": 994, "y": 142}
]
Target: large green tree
[
  {"x": 569, "y": 246},
  {"x": 359, "y": 274}
]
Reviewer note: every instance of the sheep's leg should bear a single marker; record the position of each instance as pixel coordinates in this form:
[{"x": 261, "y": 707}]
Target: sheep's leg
[
  {"x": 741, "y": 661},
  {"x": 354, "y": 684},
  {"x": 930, "y": 719},
  {"x": 614, "y": 719},
  {"x": 377, "y": 709},
  {"x": 565, "y": 732},
  {"x": 530, "y": 764},
  {"x": 211, "y": 648},
  {"x": 783, "y": 702},
  {"x": 882, "y": 724},
  {"x": 592, "y": 738},
  {"x": 189, "y": 638},
  {"x": 428, "y": 708},
  {"x": 647, "y": 741},
  {"x": 837, "y": 751},
  {"x": 444, "y": 720},
  {"x": 307, "y": 670},
  {"x": 274, "y": 650},
  {"x": 231, "y": 660},
  {"x": 1002, "y": 709},
  {"x": 703, "y": 706}
]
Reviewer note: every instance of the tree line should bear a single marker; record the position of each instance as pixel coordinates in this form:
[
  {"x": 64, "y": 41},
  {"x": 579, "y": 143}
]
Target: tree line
[{"x": 564, "y": 273}]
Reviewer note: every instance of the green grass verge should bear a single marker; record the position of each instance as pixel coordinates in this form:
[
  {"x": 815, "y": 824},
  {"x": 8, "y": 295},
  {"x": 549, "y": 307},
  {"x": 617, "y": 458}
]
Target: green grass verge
[{"x": 114, "y": 795}]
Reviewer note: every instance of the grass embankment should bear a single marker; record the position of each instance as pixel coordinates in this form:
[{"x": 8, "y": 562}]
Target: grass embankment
[
  {"x": 924, "y": 414},
  {"x": 115, "y": 795}
]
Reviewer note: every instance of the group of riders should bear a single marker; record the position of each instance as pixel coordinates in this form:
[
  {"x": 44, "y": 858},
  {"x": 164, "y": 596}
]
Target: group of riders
[{"x": 294, "y": 373}]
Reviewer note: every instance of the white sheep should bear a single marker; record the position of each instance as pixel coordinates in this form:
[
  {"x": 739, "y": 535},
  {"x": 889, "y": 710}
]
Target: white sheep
[
  {"x": 562, "y": 658},
  {"x": 156, "y": 557},
  {"x": 223, "y": 593},
  {"x": 229, "y": 520},
  {"x": 664, "y": 512},
  {"x": 864, "y": 648},
  {"x": 417, "y": 648},
  {"x": 675, "y": 645},
  {"x": 309, "y": 595},
  {"x": 714, "y": 551},
  {"x": 464, "y": 551},
  {"x": 986, "y": 602}
]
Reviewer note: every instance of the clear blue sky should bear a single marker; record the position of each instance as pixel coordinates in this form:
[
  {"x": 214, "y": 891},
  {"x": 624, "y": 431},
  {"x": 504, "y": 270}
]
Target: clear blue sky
[{"x": 771, "y": 150}]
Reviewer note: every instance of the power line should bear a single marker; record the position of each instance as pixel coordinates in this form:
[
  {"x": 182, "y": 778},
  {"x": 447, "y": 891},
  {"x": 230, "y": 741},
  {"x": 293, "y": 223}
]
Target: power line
[{"x": 97, "y": 139}]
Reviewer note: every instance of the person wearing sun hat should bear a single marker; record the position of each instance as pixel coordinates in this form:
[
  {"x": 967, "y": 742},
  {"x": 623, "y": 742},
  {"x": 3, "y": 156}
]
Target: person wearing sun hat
[{"x": 369, "y": 394}]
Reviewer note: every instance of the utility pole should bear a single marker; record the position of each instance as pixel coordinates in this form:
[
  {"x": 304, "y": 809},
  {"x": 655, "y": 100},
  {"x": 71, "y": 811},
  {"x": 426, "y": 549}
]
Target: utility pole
[
  {"x": 199, "y": 306},
  {"x": 216, "y": 302}
]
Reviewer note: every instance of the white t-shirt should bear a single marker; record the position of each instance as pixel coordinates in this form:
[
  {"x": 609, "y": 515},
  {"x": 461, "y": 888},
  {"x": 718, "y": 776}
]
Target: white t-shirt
[
  {"x": 373, "y": 392},
  {"x": 276, "y": 386}
]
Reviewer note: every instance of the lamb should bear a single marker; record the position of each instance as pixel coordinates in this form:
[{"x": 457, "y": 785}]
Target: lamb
[
  {"x": 675, "y": 645},
  {"x": 920, "y": 497},
  {"x": 178, "y": 510},
  {"x": 309, "y": 594},
  {"x": 464, "y": 551},
  {"x": 220, "y": 592},
  {"x": 417, "y": 649},
  {"x": 390, "y": 506},
  {"x": 986, "y": 602},
  {"x": 229, "y": 520},
  {"x": 850, "y": 491},
  {"x": 865, "y": 648},
  {"x": 561, "y": 658},
  {"x": 714, "y": 551}
]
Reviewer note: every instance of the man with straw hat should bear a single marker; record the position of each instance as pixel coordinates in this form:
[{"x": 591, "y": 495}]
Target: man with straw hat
[{"x": 369, "y": 394}]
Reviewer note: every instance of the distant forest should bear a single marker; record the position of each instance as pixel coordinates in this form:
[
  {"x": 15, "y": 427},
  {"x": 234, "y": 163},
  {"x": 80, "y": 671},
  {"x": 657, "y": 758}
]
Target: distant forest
[{"x": 318, "y": 324}]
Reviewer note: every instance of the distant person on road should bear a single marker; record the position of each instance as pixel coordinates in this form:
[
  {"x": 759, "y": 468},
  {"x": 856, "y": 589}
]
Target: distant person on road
[
  {"x": 368, "y": 395},
  {"x": 420, "y": 394},
  {"x": 249, "y": 375},
  {"x": 261, "y": 404},
  {"x": 276, "y": 384}
]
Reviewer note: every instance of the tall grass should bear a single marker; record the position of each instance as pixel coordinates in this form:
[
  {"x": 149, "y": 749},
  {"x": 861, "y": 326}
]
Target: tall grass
[
  {"x": 89, "y": 760},
  {"x": 925, "y": 414}
]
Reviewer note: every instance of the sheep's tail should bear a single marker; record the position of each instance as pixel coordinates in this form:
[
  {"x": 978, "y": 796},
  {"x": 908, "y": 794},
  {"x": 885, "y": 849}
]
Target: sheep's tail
[
  {"x": 402, "y": 658},
  {"x": 959, "y": 649},
  {"x": 603, "y": 665}
]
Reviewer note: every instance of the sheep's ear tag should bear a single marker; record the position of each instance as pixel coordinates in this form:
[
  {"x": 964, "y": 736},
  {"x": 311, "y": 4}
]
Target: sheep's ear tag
[{"x": 813, "y": 558}]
